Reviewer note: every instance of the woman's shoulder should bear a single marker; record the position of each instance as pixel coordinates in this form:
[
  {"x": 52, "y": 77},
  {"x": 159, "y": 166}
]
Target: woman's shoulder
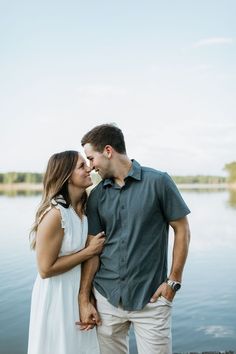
[{"x": 52, "y": 217}]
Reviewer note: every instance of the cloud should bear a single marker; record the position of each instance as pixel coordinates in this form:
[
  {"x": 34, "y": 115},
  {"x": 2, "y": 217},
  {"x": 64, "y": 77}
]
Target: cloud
[{"x": 212, "y": 41}]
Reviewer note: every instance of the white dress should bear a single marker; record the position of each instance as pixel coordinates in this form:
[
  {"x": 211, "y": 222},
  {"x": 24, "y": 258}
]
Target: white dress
[{"x": 54, "y": 305}]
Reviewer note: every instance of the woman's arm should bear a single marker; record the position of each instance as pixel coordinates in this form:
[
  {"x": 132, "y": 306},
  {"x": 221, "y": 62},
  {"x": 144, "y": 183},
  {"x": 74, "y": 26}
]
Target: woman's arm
[{"x": 48, "y": 244}]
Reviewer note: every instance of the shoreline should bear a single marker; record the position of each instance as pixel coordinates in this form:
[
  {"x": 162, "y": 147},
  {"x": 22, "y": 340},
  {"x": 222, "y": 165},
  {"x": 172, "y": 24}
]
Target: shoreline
[
  {"x": 21, "y": 187},
  {"x": 38, "y": 187},
  {"x": 205, "y": 186}
]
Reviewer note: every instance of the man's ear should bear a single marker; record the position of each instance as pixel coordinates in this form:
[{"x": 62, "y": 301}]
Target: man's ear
[{"x": 108, "y": 150}]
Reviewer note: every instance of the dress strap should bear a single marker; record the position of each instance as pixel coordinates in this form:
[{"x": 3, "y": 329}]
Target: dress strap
[{"x": 55, "y": 202}]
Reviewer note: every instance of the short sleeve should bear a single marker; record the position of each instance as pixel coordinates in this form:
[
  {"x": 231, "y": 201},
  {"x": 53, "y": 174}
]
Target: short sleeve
[
  {"x": 94, "y": 222},
  {"x": 172, "y": 204}
]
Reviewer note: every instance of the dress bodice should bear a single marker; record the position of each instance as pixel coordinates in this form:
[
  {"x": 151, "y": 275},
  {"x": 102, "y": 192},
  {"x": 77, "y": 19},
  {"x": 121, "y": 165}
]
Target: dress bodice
[{"x": 75, "y": 230}]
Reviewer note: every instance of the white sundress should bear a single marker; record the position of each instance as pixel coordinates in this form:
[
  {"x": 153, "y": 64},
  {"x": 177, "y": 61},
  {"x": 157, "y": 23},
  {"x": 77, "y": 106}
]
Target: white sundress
[{"x": 54, "y": 304}]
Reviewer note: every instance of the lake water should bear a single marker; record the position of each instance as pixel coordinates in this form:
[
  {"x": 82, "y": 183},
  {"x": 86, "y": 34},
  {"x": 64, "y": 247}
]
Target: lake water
[{"x": 204, "y": 311}]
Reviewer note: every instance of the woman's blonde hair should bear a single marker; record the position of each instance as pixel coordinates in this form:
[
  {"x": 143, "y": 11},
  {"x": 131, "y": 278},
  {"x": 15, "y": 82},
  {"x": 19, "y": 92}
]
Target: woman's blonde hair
[{"x": 55, "y": 182}]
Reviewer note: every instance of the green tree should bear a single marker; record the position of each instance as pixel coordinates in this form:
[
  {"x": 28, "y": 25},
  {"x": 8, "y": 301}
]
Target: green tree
[
  {"x": 21, "y": 177},
  {"x": 231, "y": 169},
  {"x": 10, "y": 177}
]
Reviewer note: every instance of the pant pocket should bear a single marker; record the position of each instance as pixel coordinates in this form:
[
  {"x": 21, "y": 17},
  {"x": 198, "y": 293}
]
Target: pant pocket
[{"x": 165, "y": 301}]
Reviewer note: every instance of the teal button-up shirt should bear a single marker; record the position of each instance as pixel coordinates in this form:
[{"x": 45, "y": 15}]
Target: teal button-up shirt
[{"x": 135, "y": 218}]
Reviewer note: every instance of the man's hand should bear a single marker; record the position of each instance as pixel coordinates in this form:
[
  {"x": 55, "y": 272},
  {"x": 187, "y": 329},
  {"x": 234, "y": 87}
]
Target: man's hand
[
  {"x": 89, "y": 316},
  {"x": 165, "y": 291}
]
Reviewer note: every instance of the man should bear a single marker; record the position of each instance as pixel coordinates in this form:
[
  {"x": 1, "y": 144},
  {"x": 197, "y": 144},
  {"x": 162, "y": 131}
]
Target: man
[{"x": 134, "y": 205}]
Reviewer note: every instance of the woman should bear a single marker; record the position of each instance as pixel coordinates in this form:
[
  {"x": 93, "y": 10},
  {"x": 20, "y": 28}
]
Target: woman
[{"x": 59, "y": 238}]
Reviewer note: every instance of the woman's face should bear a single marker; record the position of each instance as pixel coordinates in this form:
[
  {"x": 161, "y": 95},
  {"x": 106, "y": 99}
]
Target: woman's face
[{"x": 80, "y": 177}]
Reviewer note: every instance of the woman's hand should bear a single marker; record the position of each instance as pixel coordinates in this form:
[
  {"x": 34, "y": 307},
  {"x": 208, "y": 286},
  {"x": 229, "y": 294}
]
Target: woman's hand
[
  {"x": 89, "y": 317},
  {"x": 96, "y": 243}
]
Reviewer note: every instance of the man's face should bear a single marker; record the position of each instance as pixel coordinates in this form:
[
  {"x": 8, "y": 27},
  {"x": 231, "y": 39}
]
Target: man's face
[{"x": 98, "y": 161}]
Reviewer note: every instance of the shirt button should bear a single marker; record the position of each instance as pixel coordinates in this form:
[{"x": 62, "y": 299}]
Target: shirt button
[{"x": 122, "y": 207}]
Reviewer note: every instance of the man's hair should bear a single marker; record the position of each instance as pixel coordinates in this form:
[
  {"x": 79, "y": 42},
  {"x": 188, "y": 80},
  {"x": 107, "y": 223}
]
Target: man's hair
[{"x": 105, "y": 134}]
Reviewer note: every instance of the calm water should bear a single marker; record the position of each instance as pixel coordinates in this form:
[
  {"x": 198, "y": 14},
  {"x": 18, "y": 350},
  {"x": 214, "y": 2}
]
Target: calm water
[{"x": 204, "y": 312}]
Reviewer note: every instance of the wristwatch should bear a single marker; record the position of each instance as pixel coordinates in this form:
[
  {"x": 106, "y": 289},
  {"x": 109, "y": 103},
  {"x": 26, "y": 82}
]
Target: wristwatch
[{"x": 175, "y": 285}]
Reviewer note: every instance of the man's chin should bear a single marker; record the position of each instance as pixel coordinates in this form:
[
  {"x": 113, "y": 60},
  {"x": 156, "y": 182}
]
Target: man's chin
[{"x": 103, "y": 175}]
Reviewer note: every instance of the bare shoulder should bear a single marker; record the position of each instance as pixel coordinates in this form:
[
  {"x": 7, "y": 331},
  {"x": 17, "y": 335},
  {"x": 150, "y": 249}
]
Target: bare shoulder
[
  {"x": 49, "y": 233},
  {"x": 52, "y": 220}
]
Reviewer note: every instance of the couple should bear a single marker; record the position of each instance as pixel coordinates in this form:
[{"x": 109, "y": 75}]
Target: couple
[{"x": 120, "y": 236}]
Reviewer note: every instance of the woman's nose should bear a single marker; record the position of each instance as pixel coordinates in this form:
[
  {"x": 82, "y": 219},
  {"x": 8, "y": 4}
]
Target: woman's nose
[{"x": 89, "y": 167}]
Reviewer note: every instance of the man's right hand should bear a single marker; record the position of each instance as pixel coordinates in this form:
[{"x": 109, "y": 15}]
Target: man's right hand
[{"x": 89, "y": 316}]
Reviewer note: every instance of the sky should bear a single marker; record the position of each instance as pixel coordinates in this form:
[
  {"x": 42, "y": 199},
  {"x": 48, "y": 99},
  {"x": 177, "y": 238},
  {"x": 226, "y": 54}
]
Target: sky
[{"x": 163, "y": 71}]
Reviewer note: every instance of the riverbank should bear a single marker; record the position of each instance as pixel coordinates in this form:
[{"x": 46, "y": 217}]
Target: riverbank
[
  {"x": 37, "y": 187},
  {"x": 18, "y": 187},
  {"x": 215, "y": 186}
]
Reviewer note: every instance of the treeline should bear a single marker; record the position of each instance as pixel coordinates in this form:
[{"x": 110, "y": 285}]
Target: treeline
[
  {"x": 31, "y": 177},
  {"x": 21, "y": 177},
  {"x": 199, "y": 179},
  {"x": 35, "y": 178},
  {"x": 231, "y": 170}
]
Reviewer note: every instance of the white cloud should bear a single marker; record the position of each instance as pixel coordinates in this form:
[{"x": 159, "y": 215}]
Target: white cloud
[{"x": 212, "y": 41}]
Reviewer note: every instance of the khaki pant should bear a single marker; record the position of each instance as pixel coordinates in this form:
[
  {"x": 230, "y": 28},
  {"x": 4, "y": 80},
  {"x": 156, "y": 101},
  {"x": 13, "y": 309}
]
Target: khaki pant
[{"x": 152, "y": 327}]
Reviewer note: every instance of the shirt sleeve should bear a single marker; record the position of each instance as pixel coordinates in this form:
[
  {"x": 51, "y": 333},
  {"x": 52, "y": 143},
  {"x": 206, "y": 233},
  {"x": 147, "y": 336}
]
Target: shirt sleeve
[
  {"x": 94, "y": 222},
  {"x": 172, "y": 204}
]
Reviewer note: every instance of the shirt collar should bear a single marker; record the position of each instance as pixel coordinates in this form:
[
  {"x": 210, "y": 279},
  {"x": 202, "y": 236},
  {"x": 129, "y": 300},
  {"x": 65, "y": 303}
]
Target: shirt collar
[{"x": 134, "y": 172}]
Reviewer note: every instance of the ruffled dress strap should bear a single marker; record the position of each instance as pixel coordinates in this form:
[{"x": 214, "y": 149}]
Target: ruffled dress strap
[
  {"x": 64, "y": 216},
  {"x": 59, "y": 203}
]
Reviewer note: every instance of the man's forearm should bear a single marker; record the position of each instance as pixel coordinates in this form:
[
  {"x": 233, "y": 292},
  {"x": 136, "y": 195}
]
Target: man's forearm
[{"x": 89, "y": 268}]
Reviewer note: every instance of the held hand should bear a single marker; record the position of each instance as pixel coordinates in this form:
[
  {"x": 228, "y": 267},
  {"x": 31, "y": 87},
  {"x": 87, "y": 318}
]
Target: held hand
[
  {"x": 89, "y": 317},
  {"x": 96, "y": 243},
  {"x": 165, "y": 291}
]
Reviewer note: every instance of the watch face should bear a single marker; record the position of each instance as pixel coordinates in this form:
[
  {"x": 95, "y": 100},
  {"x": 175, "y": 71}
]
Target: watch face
[{"x": 177, "y": 286}]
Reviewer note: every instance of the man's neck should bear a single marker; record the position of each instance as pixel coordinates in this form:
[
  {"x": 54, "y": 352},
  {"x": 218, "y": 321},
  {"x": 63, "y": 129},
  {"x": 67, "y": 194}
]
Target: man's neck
[{"x": 122, "y": 169}]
